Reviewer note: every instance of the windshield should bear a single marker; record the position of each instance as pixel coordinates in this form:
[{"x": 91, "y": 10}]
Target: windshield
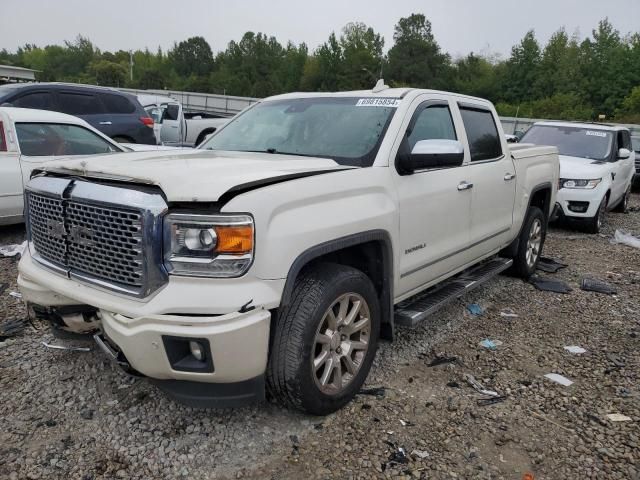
[
  {"x": 49, "y": 139},
  {"x": 635, "y": 141},
  {"x": 572, "y": 141},
  {"x": 347, "y": 130}
]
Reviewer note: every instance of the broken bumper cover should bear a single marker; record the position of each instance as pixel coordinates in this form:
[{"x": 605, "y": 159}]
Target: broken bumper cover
[{"x": 236, "y": 343}]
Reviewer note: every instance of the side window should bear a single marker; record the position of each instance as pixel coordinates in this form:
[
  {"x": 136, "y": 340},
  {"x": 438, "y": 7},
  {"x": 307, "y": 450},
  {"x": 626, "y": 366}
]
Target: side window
[
  {"x": 79, "y": 103},
  {"x": 49, "y": 139},
  {"x": 39, "y": 100},
  {"x": 624, "y": 139},
  {"x": 117, "y": 103},
  {"x": 433, "y": 123},
  {"x": 482, "y": 133}
]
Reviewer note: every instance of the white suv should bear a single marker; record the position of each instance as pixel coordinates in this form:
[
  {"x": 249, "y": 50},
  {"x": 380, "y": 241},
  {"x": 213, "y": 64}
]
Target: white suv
[{"x": 596, "y": 168}]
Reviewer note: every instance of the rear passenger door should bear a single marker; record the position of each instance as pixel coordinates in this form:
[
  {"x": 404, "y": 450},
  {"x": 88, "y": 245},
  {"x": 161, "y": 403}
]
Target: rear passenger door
[
  {"x": 492, "y": 173},
  {"x": 434, "y": 204},
  {"x": 120, "y": 110},
  {"x": 86, "y": 105}
]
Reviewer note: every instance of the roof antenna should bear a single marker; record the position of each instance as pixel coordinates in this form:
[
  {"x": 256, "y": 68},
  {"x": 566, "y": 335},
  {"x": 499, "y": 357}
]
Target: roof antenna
[{"x": 380, "y": 86}]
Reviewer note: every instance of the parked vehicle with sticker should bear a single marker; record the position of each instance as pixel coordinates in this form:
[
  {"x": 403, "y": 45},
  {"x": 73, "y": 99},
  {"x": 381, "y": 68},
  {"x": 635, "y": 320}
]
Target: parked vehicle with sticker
[
  {"x": 31, "y": 138},
  {"x": 116, "y": 114},
  {"x": 174, "y": 126},
  {"x": 596, "y": 168},
  {"x": 279, "y": 253}
]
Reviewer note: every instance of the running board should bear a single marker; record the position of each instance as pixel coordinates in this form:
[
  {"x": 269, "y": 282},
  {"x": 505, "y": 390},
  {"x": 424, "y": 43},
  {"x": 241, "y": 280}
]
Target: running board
[{"x": 414, "y": 310}]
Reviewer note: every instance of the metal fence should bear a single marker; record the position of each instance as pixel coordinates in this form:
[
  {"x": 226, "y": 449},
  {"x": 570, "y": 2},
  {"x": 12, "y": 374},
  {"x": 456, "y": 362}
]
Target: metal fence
[{"x": 225, "y": 105}]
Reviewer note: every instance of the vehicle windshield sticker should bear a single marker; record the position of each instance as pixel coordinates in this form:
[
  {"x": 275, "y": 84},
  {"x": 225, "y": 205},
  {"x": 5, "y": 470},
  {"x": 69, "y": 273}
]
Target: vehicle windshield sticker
[
  {"x": 378, "y": 102},
  {"x": 591, "y": 133}
]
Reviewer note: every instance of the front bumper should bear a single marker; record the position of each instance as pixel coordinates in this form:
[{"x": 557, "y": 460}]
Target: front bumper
[
  {"x": 238, "y": 340},
  {"x": 570, "y": 198}
]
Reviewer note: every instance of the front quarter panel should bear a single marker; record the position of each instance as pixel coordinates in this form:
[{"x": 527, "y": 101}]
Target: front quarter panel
[{"x": 293, "y": 216}]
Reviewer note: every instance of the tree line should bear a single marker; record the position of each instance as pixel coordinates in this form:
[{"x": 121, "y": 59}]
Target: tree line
[{"x": 568, "y": 78}]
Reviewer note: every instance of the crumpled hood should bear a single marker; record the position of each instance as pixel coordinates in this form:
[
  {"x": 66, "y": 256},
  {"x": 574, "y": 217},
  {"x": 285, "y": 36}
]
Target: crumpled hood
[
  {"x": 195, "y": 175},
  {"x": 582, "y": 168}
]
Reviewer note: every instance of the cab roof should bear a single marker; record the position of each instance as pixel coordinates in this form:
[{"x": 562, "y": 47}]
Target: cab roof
[{"x": 587, "y": 125}]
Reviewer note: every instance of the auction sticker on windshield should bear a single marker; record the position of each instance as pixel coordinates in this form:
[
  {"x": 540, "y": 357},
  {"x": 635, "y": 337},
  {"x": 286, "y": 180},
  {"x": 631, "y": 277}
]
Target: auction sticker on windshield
[
  {"x": 378, "y": 102},
  {"x": 591, "y": 133}
]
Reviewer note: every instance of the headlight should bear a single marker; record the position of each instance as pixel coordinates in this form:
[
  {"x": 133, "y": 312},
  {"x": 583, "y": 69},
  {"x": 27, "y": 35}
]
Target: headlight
[
  {"x": 588, "y": 184},
  {"x": 208, "y": 245}
]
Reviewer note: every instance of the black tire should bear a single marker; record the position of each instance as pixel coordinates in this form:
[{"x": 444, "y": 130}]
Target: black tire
[
  {"x": 525, "y": 265},
  {"x": 623, "y": 205},
  {"x": 203, "y": 135},
  {"x": 291, "y": 378},
  {"x": 595, "y": 223}
]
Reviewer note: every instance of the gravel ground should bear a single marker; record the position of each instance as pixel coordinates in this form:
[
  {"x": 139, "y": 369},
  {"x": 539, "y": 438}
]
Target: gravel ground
[{"x": 72, "y": 415}]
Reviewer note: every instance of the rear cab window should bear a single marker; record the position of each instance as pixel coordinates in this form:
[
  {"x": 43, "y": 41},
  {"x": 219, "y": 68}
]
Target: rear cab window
[{"x": 482, "y": 133}]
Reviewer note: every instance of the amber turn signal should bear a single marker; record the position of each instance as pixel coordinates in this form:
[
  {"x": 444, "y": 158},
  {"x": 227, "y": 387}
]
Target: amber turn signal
[{"x": 234, "y": 240}]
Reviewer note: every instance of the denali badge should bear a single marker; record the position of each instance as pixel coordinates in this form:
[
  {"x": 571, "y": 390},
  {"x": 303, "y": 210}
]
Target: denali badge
[{"x": 413, "y": 249}]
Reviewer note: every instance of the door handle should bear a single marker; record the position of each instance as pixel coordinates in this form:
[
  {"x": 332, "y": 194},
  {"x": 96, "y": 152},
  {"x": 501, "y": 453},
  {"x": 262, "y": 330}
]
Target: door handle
[
  {"x": 105, "y": 123},
  {"x": 508, "y": 177},
  {"x": 465, "y": 186}
]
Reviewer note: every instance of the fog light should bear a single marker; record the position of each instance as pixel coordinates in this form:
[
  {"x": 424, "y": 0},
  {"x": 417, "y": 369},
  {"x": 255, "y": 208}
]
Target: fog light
[{"x": 196, "y": 350}]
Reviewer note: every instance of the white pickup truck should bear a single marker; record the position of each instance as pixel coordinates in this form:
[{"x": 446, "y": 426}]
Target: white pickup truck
[
  {"x": 278, "y": 254},
  {"x": 174, "y": 126}
]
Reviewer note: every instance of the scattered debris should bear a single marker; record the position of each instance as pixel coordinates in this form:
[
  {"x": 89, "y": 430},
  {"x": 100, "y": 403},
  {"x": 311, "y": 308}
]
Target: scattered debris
[
  {"x": 592, "y": 285},
  {"x": 476, "y": 385},
  {"x": 13, "y": 250},
  {"x": 509, "y": 314},
  {"x": 10, "y": 328},
  {"x": 490, "y": 344},
  {"x": 575, "y": 349},
  {"x": 554, "y": 377},
  {"x": 399, "y": 457},
  {"x": 626, "y": 238},
  {"x": 475, "y": 309},
  {"x": 618, "y": 417},
  {"x": 501, "y": 458},
  {"x": 406, "y": 423},
  {"x": 441, "y": 359},
  {"x": 453, "y": 384},
  {"x": 375, "y": 391},
  {"x": 483, "y": 402},
  {"x": 67, "y": 348},
  {"x": 15, "y": 294},
  {"x": 546, "y": 419},
  {"x": 549, "y": 285},
  {"x": 421, "y": 454},
  {"x": 549, "y": 265},
  {"x": 87, "y": 414}
]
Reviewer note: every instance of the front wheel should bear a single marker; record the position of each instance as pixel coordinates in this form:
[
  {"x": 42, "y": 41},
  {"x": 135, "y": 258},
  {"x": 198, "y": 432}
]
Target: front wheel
[
  {"x": 530, "y": 244},
  {"x": 623, "y": 206},
  {"x": 325, "y": 340},
  {"x": 595, "y": 223}
]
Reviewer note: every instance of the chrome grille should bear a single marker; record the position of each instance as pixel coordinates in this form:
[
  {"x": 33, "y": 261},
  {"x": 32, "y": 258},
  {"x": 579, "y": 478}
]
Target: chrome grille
[
  {"x": 105, "y": 235},
  {"x": 45, "y": 221},
  {"x": 106, "y": 242}
]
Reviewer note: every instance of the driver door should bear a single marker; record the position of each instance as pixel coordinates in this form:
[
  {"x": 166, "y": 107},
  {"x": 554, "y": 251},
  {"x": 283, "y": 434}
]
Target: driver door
[
  {"x": 171, "y": 130},
  {"x": 435, "y": 205}
]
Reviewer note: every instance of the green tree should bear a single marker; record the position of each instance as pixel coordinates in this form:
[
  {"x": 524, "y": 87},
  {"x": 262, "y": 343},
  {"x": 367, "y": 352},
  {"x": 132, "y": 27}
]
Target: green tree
[
  {"x": 475, "y": 75},
  {"x": 361, "y": 57},
  {"x": 522, "y": 70},
  {"x": 108, "y": 73},
  {"x": 559, "y": 67},
  {"x": 192, "y": 57},
  {"x": 416, "y": 59}
]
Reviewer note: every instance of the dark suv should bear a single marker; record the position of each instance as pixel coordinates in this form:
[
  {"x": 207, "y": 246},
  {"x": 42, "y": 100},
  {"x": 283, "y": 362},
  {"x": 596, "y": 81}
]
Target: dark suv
[{"x": 116, "y": 114}]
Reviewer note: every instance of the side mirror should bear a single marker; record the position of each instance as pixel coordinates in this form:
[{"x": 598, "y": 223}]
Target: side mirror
[
  {"x": 434, "y": 154},
  {"x": 172, "y": 112},
  {"x": 624, "y": 153}
]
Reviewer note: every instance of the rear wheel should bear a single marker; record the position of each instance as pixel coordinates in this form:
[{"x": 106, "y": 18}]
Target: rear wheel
[
  {"x": 325, "y": 340},
  {"x": 623, "y": 206},
  {"x": 595, "y": 223},
  {"x": 530, "y": 243}
]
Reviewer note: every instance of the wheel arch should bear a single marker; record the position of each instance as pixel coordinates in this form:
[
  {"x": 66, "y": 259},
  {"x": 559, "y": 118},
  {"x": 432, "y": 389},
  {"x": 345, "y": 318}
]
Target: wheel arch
[
  {"x": 202, "y": 135},
  {"x": 540, "y": 197},
  {"x": 370, "y": 251}
]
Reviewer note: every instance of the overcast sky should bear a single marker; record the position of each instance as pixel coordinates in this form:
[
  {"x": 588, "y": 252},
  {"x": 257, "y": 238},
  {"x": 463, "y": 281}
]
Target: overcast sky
[{"x": 460, "y": 26}]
